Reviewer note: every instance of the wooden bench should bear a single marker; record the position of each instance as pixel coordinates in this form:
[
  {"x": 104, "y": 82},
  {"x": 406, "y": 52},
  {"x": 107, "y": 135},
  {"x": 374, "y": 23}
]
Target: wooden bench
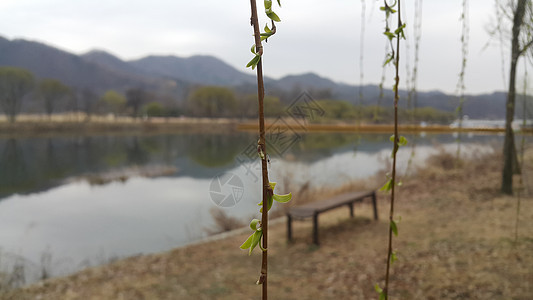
[{"x": 315, "y": 208}]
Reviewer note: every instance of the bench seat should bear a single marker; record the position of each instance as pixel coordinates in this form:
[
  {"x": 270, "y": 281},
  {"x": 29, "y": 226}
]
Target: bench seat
[{"x": 312, "y": 210}]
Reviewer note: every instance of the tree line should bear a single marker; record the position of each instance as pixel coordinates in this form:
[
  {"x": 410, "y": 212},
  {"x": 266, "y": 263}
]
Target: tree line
[{"x": 22, "y": 92}]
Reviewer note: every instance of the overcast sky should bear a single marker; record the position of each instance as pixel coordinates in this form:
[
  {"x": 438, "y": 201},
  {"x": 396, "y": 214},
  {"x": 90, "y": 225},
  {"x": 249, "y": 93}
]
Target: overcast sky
[{"x": 314, "y": 36}]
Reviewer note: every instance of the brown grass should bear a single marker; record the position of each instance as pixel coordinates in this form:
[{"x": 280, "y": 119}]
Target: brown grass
[
  {"x": 373, "y": 128},
  {"x": 223, "y": 222},
  {"x": 38, "y": 125},
  {"x": 32, "y": 125},
  {"x": 456, "y": 241}
]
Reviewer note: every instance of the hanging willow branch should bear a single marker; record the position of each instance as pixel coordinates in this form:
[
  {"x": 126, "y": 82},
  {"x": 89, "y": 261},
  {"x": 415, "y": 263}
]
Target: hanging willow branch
[
  {"x": 461, "y": 87},
  {"x": 398, "y": 141},
  {"x": 260, "y": 227}
]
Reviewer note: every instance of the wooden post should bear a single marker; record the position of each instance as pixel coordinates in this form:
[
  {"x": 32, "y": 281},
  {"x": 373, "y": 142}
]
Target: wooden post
[
  {"x": 289, "y": 227},
  {"x": 375, "y": 204},
  {"x": 315, "y": 228},
  {"x": 351, "y": 209}
]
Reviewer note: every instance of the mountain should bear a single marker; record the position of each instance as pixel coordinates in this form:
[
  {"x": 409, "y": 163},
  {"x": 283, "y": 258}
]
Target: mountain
[
  {"x": 49, "y": 62},
  {"x": 199, "y": 69},
  {"x": 111, "y": 62},
  {"x": 306, "y": 80},
  {"x": 172, "y": 77}
]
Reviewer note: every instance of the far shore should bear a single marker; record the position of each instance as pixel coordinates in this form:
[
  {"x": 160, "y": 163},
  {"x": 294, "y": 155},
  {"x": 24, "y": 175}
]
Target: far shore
[
  {"x": 79, "y": 124},
  {"x": 372, "y": 128}
]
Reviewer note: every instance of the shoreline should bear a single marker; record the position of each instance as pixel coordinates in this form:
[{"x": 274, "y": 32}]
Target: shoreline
[
  {"x": 443, "y": 251},
  {"x": 28, "y": 126},
  {"x": 377, "y": 128},
  {"x": 111, "y": 126},
  {"x": 465, "y": 252}
]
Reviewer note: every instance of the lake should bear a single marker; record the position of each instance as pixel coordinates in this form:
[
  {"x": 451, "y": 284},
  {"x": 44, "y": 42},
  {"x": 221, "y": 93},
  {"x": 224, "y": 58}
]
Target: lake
[{"x": 71, "y": 202}]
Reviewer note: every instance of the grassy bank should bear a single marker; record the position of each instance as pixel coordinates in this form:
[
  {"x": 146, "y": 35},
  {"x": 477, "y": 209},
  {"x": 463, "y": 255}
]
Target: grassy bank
[
  {"x": 69, "y": 125},
  {"x": 456, "y": 241},
  {"x": 371, "y": 128},
  {"x": 40, "y": 125}
]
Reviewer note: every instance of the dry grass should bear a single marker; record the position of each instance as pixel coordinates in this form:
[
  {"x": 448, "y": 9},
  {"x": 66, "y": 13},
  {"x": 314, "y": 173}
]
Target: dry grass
[
  {"x": 33, "y": 124},
  {"x": 68, "y": 124},
  {"x": 337, "y": 126},
  {"x": 223, "y": 222},
  {"x": 456, "y": 242}
]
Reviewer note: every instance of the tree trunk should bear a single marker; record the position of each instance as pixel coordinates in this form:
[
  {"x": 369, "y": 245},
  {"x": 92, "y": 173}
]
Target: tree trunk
[{"x": 509, "y": 149}]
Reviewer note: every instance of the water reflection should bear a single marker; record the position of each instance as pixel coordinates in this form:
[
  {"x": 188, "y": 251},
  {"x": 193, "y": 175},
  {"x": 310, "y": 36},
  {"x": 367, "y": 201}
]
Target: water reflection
[
  {"x": 79, "y": 224},
  {"x": 32, "y": 165},
  {"x": 13, "y": 169}
]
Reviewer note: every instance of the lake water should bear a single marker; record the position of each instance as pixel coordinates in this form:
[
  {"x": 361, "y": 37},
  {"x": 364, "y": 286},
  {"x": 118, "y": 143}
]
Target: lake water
[{"x": 54, "y": 215}]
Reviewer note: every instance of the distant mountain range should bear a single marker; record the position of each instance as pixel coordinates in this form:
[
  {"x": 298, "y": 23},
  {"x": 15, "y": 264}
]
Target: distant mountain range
[{"x": 176, "y": 76}]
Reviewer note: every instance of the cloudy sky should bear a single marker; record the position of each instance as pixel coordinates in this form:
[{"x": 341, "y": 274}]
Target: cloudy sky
[{"x": 314, "y": 36}]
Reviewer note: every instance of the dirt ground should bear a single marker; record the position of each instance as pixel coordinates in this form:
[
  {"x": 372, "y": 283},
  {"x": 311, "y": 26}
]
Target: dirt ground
[{"x": 457, "y": 240}]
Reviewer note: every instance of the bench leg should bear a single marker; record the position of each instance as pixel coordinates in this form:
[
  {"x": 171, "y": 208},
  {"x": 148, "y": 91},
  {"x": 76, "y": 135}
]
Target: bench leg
[
  {"x": 375, "y": 204},
  {"x": 351, "y": 209},
  {"x": 315, "y": 229},
  {"x": 289, "y": 228}
]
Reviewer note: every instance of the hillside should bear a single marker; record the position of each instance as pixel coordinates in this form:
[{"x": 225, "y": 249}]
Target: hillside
[
  {"x": 175, "y": 76},
  {"x": 199, "y": 69},
  {"x": 48, "y": 62}
]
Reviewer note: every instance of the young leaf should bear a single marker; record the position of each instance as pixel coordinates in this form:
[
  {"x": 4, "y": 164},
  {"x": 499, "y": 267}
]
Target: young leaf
[
  {"x": 380, "y": 291},
  {"x": 272, "y": 185},
  {"x": 267, "y": 29},
  {"x": 252, "y": 241},
  {"x": 256, "y": 239},
  {"x": 283, "y": 198},
  {"x": 254, "y": 61},
  {"x": 390, "y": 35},
  {"x": 388, "y": 58},
  {"x": 265, "y": 34},
  {"x": 268, "y": 4},
  {"x": 272, "y": 15},
  {"x": 402, "y": 141},
  {"x": 253, "y": 49},
  {"x": 387, "y": 186},
  {"x": 393, "y": 257},
  {"x": 399, "y": 31},
  {"x": 270, "y": 202},
  {"x": 394, "y": 227},
  {"x": 279, "y": 3},
  {"x": 248, "y": 242},
  {"x": 253, "y": 224}
]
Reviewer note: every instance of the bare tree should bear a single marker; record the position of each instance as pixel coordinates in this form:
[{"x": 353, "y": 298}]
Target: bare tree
[
  {"x": 88, "y": 100},
  {"x": 52, "y": 91},
  {"x": 15, "y": 83},
  {"x": 520, "y": 13},
  {"x": 135, "y": 98}
]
